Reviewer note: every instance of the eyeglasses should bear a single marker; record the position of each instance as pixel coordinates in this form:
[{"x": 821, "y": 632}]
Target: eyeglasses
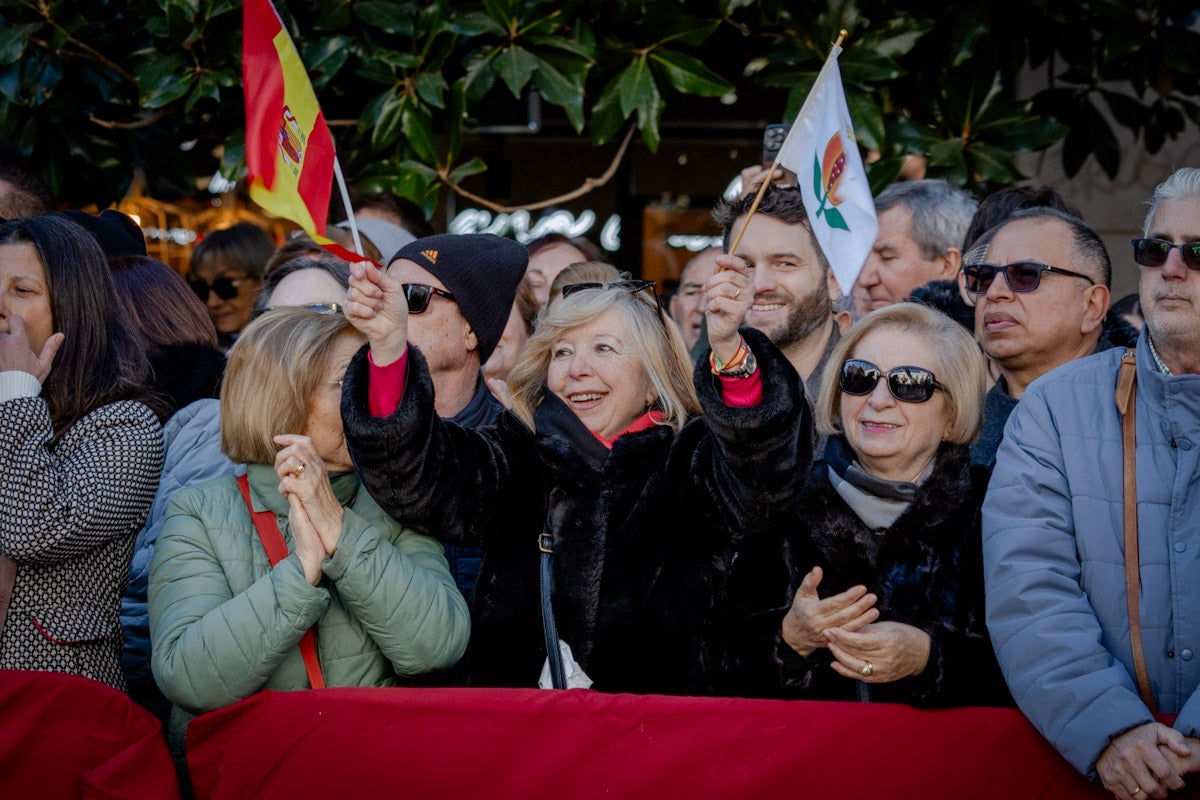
[
  {"x": 1154, "y": 252},
  {"x": 1022, "y": 276},
  {"x": 907, "y": 384},
  {"x": 224, "y": 288},
  {"x": 419, "y": 295},
  {"x": 320, "y": 308}
]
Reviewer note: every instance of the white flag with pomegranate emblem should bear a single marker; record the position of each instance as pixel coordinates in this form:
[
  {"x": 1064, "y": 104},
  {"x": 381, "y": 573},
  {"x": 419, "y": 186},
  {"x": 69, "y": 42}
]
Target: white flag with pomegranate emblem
[{"x": 821, "y": 149}]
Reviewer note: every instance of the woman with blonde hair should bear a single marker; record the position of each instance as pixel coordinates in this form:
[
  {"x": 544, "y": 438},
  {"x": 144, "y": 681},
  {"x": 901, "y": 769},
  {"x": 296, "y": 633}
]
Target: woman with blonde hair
[
  {"x": 246, "y": 567},
  {"x": 886, "y": 566},
  {"x": 609, "y": 511}
]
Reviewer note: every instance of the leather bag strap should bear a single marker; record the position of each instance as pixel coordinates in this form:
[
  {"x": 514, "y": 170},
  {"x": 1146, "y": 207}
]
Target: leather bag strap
[
  {"x": 1126, "y": 397},
  {"x": 276, "y": 547},
  {"x": 558, "y": 674},
  {"x": 8, "y": 579}
]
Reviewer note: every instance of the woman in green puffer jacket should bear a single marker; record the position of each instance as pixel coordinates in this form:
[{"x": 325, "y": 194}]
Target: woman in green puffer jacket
[{"x": 224, "y": 623}]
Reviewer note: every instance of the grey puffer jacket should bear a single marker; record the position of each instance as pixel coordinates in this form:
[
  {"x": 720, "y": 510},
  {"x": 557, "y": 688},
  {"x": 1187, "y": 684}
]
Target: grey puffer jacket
[
  {"x": 1054, "y": 553},
  {"x": 224, "y": 624}
]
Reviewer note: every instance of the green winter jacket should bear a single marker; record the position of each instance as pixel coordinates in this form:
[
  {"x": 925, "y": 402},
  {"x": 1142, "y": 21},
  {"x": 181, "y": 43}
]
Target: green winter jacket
[{"x": 224, "y": 625}]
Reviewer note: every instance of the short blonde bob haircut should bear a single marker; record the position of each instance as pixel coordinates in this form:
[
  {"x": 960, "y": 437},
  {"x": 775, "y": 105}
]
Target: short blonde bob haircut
[
  {"x": 275, "y": 368},
  {"x": 959, "y": 366},
  {"x": 656, "y": 340}
]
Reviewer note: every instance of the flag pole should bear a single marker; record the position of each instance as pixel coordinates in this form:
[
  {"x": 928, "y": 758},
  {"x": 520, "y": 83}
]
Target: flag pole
[
  {"x": 770, "y": 172},
  {"x": 341, "y": 182}
]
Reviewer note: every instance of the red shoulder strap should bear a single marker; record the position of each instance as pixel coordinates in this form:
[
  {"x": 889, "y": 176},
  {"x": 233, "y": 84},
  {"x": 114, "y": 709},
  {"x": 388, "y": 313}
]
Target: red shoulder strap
[{"x": 276, "y": 547}]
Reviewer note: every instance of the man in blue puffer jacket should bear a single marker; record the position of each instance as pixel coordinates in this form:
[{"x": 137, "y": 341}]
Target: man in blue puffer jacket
[{"x": 1053, "y": 533}]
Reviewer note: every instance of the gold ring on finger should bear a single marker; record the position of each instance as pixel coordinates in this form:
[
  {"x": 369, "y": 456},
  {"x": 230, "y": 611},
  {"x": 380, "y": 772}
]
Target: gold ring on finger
[{"x": 868, "y": 669}]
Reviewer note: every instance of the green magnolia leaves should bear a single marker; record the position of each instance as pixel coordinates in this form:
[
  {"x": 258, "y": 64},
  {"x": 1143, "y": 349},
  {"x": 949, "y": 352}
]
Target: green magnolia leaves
[{"x": 88, "y": 91}]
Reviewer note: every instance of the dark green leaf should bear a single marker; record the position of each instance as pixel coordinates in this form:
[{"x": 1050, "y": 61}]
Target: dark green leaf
[
  {"x": 473, "y": 167},
  {"x": 393, "y": 18},
  {"x": 561, "y": 91},
  {"x": 993, "y": 164},
  {"x": 418, "y": 129},
  {"x": 884, "y": 172},
  {"x": 164, "y": 80},
  {"x": 515, "y": 65},
  {"x": 867, "y": 120},
  {"x": 946, "y": 161},
  {"x": 581, "y": 50},
  {"x": 690, "y": 31},
  {"x": 477, "y": 23},
  {"x": 690, "y": 76},
  {"x": 12, "y": 41},
  {"x": 607, "y": 116},
  {"x": 456, "y": 105},
  {"x": 636, "y": 85},
  {"x": 649, "y": 112},
  {"x": 1125, "y": 109},
  {"x": 386, "y": 126},
  {"x": 430, "y": 86}
]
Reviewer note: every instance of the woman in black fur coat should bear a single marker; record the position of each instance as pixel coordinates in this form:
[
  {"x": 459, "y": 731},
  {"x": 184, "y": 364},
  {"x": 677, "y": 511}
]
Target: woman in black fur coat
[
  {"x": 646, "y": 501},
  {"x": 886, "y": 567}
]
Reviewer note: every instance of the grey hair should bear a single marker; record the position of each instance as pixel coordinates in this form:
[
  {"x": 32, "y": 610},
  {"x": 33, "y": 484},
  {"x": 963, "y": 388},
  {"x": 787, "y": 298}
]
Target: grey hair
[
  {"x": 1086, "y": 243},
  {"x": 1183, "y": 182},
  {"x": 941, "y": 213}
]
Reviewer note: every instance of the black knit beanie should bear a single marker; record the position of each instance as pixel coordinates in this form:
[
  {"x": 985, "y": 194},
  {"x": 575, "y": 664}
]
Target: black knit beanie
[{"x": 481, "y": 270}]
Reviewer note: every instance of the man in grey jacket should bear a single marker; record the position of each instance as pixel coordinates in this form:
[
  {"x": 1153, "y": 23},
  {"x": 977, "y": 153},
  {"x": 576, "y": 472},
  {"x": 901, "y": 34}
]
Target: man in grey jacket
[{"x": 1053, "y": 534}]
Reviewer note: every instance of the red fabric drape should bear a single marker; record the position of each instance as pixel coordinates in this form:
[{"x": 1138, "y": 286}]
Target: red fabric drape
[
  {"x": 64, "y": 736},
  {"x": 453, "y": 743}
]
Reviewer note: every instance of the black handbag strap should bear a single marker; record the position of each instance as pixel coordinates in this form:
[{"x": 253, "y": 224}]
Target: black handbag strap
[{"x": 558, "y": 675}]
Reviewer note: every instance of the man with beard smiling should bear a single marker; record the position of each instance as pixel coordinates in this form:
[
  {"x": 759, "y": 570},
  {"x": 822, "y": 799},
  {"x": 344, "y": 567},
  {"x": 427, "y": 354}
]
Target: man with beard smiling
[
  {"x": 1040, "y": 301},
  {"x": 1060, "y": 590},
  {"x": 793, "y": 286}
]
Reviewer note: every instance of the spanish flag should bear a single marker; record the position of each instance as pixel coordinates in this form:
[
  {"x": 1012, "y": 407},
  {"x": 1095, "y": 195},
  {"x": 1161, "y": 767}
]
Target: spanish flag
[{"x": 289, "y": 150}]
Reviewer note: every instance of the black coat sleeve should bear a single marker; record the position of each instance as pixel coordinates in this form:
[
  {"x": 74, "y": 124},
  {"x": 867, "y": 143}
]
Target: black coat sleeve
[
  {"x": 448, "y": 481},
  {"x": 752, "y": 463}
]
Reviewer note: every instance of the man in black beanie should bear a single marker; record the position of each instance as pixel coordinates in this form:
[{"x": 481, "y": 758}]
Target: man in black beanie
[{"x": 460, "y": 289}]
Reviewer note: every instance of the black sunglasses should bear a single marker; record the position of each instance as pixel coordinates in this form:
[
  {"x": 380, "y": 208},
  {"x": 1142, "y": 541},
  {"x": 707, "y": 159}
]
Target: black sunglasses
[
  {"x": 1154, "y": 252},
  {"x": 907, "y": 384},
  {"x": 419, "y": 295},
  {"x": 320, "y": 308},
  {"x": 224, "y": 288},
  {"x": 1022, "y": 276},
  {"x": 631, "y": 286}
]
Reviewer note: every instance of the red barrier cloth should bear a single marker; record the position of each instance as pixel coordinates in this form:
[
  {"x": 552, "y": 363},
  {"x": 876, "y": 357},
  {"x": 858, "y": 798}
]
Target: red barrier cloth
[
  {"x": 64, "y": 736},
  {"x": 459, "y": 743}
]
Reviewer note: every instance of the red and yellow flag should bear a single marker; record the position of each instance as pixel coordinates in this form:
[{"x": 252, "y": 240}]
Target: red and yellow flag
[{"x": 289, "y": 150}]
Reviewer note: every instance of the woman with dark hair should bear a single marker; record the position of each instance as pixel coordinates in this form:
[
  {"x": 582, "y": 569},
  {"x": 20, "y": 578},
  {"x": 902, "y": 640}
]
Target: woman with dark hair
[
  {"x": 181, "y": 343},
  {"x": 225, "y": 271},
  {"x": 80, "y": 450},
  {"x": 551, "y": 254},
  {"x": 175, "y": 329}
]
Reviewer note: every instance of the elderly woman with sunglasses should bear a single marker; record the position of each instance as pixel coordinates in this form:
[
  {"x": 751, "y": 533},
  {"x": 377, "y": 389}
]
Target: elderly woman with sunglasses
[
  {"x": 886, "y": 563},
  {"x": 604, "y": 466}
]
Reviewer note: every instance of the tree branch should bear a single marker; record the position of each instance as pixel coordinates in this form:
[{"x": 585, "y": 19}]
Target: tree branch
[
  {"x": 145, "y": 122},
  {"x": 588, "y": 185}
]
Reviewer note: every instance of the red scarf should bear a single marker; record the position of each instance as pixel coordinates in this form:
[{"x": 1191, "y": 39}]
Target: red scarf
[{"x": 647, "y": 420}]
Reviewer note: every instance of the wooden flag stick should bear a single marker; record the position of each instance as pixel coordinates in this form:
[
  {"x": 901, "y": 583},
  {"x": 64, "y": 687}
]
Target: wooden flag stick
[{"x": 767, "y": 180}]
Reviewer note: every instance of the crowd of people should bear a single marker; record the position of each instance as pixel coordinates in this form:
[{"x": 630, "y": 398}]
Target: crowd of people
[{"x": 965, "y": 480}]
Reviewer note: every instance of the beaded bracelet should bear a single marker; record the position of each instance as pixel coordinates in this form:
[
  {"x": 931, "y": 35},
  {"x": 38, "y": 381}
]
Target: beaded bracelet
[{"x": 739, "y": 358}]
